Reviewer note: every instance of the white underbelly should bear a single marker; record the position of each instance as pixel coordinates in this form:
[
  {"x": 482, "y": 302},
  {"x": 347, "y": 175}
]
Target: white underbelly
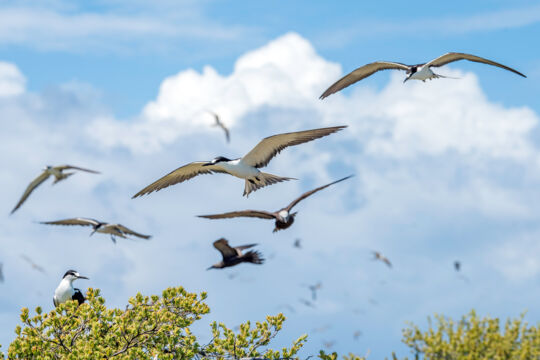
[
  {"x": 424, "y": 74},
  {"x": 239, "y": 169}
]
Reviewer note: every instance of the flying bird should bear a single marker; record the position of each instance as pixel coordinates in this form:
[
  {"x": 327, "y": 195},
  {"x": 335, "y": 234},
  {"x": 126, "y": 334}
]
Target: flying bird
[
  {"x": 1, "y": 273},
  {"x": 246, "y": 167},
  {"x": 415, "y": 72},
  {"x": 297, "y": 243},
  {"x": 314, "y": 289},
  {"x": 233, "y": 255},
  {"x": 283, "y": 217},
  {"x": 65, "y": 290},
  {"x": 57, "y": 172},
  {"x": 457, "y": 266},
  {"x": 33, "y": 264},
  {"x": 100, "y": 227},
  {"x": 380, "y": 257},
  {"x": 221, "y": 125}
]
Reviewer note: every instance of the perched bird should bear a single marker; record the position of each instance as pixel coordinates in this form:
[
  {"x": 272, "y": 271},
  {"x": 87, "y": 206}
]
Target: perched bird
[
  {"x": 33, "y": 264},
  {"x": 378, "y": 256},
  {"x": 246, "y": 167},
  {"x": 283, "y": 217},
  {"x": 100, "y": 227},
  {"x": 416, "y": 72},
  {"x": 65, "y": 290},
  {"x": 297, "y": 243},
  {"x": 457, "y": 265},
  {"x": 57, "y": 172},
  {"x": 233, "y": 255},
  {"x": 221, "y": 125}
]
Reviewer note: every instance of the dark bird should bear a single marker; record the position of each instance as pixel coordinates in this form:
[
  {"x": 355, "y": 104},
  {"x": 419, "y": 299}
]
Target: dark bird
[
  {"x": 416, "y": 72},
  {"x": 457, "y": 265},
  {"x": 221, "y": 125},
  {"x": 246, "y": 167},
  {"x": 100, "y": 227},
  {"x": 378, "y": 256},
  {"x": 65, "y": 290},
  {"x": 33, "y": 264},
  {"x": 283, "y": 217},
  {"x": 297, "y": 243},
  {"x": 233, "y": 255},
  {"x": 57, "y": 172}
]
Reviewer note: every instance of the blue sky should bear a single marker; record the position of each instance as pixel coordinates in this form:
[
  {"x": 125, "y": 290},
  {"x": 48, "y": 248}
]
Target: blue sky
[{"x": 444, "y": 170}]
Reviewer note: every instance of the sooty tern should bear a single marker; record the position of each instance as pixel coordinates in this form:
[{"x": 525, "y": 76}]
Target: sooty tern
[
  {"x": 100, "y": 227},
  {"x": 380, "y": 257},
  {"x": 283, "y": 217},
  {"x": 246, "y": 167},
  {"x": 221, "y": 125},
  {"x": 416, "y": 72},
  {"x": 57, "y": 172},
  {"x": 65, "y": 290},
  {"x": 233, "y": 255}
]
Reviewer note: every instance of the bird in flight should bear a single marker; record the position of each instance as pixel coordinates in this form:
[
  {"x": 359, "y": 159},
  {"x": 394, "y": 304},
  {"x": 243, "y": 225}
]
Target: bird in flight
[
  {"x": 33, "y": 264},
  {"x": 65, "y": 290},
  {"x": 246, "y": 167},
  {"x": 233, "y": 255},
  {"x": 380, "y": 257},
  {"x": 283, "y": 217},
  {"x": 457, "y": 266},
  {"x": 100, "y": 227},
  {"x": 57, "y": 172},
  {"x": 298, "y": 243},
  {"x": 314, "y": 288},
  {"x": 1, "y": 273},
  {"x": 221, "y": 125},
  {"x": 414, "y": 72}
]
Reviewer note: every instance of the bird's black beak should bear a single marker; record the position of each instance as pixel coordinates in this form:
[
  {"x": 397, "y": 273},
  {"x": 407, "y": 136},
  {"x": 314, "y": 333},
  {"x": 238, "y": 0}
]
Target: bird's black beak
[
  {"x": 208, "y": 163},
  {"x": 82, "y": 277},
  {"x": 211, "y": 267},
  {"x": 407, "y": 78}
]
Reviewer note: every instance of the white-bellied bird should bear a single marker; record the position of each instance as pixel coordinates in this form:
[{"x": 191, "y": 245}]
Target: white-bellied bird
[
  {"x": 57, "y": 172},
  {"x": 414, "y": 72},
  {"x": 246, "y": 167},
  {"x": 100, "y": 227},
  {"x": 233, "y": 255},
  {"x": 283, "y": 217},
  {"x": 65, "y": 290}
]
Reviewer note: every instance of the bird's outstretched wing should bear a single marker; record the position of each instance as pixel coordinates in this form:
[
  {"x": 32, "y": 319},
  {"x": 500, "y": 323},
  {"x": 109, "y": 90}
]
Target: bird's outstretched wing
[
  {"x": 362, "y": 73},
  {"x": 31, "y": 187},
  {"x": 244, "y": 213},
  {"x": 67, "y": 167},
  {"x": 243, "y": 247},
  {"x": 223, "y": 247},
  {"x": 453, "y": 56},
  {"x": 269, "y": 147},
  {"x": 311, "y": 192},
  {"x": 179, "y": 175},
  {"x": 220, "y": 124},
  {"x": 125, "y": 230},
  {"x": 73, "y": 221},
  {"x": 227, "y": 134}
]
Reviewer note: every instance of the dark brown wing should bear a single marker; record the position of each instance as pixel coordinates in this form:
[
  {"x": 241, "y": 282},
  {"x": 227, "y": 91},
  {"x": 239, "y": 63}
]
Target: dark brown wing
[
  {"x": 244, "y": 213},
  {"x": 451, "y": 57},
  {"x": 223, "y": 247},
  {"x": 67, "y": 167},
  {"x": 311, "y": 192},
  {"x": 125, "y": 230},
  {"x": 179, "y": 175},
  {"x": 269, "y": 147},
  {"x": 362, "y": 73},
  {"x": 31, "y": 187},
  {"x": 73, "y": 221}
]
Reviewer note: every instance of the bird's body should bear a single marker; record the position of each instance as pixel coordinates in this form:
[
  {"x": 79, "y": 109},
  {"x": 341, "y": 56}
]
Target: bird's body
[
  {"x": 233, "y": 255},
  {"x": 247, "y": 167},
  {"x": 65, "y": 290},
  {"x": 57, "y": 172},
  {"x": 421, "y": 72},
  {"x": 380, "y": 257},
  {"x": 283, "y": 217},
  {"x": 101, "y": 227}
]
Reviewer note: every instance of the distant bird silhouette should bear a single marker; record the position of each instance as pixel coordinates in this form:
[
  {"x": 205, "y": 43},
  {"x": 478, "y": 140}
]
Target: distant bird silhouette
[
  {"x": 100, "y": 227},
  {"x": 65, "y": 290},
  {"x": 297, "y": 243},
  {"x": 233, "y": 255},
  {"x": 221, "y": 125},
  {"x": 457, "y": 265},
  {"x": 357, "y": 334},
  {"x": 57, "y": 172},
  {"x": 314, "y": 288},
  {"x": 378, "y": 256},
  {"x": 33, "y": 264},
  {"x": 246, "y": 167},
  {"x": 283, "y": 217},
  {"x": 414, "y": 72},
  {"x": 1, "y": 273}
]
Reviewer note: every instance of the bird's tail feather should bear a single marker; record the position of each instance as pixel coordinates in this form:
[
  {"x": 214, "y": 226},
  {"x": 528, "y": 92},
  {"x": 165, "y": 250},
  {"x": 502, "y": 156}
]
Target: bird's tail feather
[
  {"x": 262, "y": 180},
  {"x": 254, "y": 257},
  {"x": 444, "y": 77}
]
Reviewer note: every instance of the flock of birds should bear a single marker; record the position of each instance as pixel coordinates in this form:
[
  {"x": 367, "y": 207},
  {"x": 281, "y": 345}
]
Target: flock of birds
[{"x": 246, "y": 168}]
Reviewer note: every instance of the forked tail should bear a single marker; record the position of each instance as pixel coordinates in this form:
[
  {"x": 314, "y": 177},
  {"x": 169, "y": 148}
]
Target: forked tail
[
  {"x": 436, "y": 76},
  {"x": 254, "y": 257},
  {"x": 262, "y": 180}
]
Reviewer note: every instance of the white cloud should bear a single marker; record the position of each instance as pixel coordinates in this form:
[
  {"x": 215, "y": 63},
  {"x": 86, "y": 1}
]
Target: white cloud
[
  {"x": 517, "y": 258},
  {"x": 12, "y": 81}
]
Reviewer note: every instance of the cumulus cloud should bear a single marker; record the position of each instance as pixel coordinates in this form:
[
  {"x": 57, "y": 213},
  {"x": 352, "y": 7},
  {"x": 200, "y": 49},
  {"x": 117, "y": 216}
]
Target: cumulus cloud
[{"x": 12, "y": 81}]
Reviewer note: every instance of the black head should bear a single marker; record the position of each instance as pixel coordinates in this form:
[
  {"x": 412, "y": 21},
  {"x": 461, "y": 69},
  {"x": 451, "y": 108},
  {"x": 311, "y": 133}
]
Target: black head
[
  {"x": 217, "y": 160},
  {"x": 73, "y": 275}
]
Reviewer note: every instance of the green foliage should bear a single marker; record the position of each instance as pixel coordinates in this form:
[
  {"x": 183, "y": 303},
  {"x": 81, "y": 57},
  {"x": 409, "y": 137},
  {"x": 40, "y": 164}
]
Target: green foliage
[
  {"x": 150, "y": 327},
  {"x": 473, "y": 338}
]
